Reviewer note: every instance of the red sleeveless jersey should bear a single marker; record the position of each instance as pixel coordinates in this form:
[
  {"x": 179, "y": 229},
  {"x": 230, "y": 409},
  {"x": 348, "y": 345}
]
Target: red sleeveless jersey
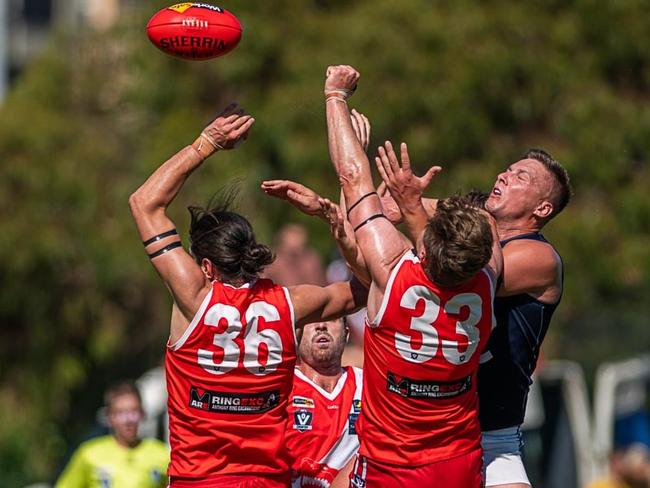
[
  {"x": 321, "y": 428},
  {"x": 229, "y": 378},
  {"x": 421, "y": 355}
]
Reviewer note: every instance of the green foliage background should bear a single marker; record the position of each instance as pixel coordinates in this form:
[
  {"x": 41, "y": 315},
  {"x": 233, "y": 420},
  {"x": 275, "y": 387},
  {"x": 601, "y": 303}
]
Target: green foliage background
[{"x": 467, "y": 84}]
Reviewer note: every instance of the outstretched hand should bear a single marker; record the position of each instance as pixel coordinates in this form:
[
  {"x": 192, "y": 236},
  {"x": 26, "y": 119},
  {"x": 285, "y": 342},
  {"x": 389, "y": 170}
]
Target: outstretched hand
[
  {"x": 333, "y": 214},
  {"x": 301, "y": 197},
  {"x": 361, "y": 126},
  {"x": 404, "y": 186},
  {"x": 229, "y": 129}
]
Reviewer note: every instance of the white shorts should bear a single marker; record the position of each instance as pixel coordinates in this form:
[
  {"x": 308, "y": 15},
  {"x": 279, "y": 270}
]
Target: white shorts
[{"x": 502, "y": 463}]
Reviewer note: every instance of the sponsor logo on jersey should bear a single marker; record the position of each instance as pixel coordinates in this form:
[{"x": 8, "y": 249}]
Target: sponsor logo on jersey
[
  {"x": 302, "y": 420},
  {"x": 231, "y": 402},
  {"x": 358, "y": 482},
  {"x": 356, "y": 406},
  {"x": 352, "y": 423},
  {"x": 409, "y": 388},
  {"x": 303, "y": 402},
  {"x": 182, "y": 7}
]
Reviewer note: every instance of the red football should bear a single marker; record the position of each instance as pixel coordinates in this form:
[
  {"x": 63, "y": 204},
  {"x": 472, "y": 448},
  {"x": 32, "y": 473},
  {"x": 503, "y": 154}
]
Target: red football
[{"x": 194, "y": 31}]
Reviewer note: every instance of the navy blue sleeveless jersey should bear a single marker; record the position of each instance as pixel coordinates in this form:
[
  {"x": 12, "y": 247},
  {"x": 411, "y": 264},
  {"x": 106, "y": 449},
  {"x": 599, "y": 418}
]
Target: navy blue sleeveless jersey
[{"x": 505, "y": 376}]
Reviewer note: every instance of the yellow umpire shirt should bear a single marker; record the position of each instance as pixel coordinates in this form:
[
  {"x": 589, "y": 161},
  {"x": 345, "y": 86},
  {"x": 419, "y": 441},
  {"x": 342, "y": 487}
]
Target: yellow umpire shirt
[{"x": 103, "y": 463}]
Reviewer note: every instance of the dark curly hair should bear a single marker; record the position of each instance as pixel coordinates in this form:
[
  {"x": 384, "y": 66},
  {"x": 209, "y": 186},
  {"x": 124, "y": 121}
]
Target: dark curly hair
[{"x": 228, "y": 241}]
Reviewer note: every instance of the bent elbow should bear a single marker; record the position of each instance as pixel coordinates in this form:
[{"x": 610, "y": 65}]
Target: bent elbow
[
  {"x": 136, "y": 202},
  {"x": 140, "y": 203},
  {"x": 349, "y": 175}
]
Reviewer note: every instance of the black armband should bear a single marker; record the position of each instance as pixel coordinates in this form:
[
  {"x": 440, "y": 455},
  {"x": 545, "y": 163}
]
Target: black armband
[
  {"x": 159, "y": 237},
  {"x": 359, "y": 201},
  {"x": 369, "y": 219},
  {"x": 165, "y": 249}
]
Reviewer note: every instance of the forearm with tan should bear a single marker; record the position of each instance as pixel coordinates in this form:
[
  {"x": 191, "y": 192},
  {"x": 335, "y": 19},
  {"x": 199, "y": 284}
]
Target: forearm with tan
[
  {"x": 377, "y": 238},
  {"x": 415, "y": 219},
  {"x": 351, "y": 253},
  {"x": 348, "y": 157},
  {"x": 149, "y": 202},
  {"x": 153, "y": 197},
  {"x": 349, "y": 247}
]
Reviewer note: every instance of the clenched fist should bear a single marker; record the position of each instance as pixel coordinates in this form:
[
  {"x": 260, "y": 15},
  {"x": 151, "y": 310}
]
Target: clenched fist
[{"x": 341, "y": 79}]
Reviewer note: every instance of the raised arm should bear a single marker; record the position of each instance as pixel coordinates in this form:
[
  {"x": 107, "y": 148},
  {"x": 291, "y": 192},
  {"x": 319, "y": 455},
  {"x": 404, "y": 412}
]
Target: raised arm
[
  {"x": 381, "y": 243},
  {"x": 179, "y": 271},
  {"x": 342, "y": 231},
  {"x": 310, "y": 203},
  {"x": 322, "y": 303}
]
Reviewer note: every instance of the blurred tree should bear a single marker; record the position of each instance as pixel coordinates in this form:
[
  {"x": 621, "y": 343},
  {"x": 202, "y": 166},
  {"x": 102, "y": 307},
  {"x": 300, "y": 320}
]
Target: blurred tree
[{"x": 468, "y": 84}]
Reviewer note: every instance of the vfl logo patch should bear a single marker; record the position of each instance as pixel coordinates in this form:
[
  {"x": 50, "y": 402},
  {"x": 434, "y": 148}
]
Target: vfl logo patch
[
  {"x": 303, "y": 402},
  {"x": 434, "y": 390},
  {"x": 230, "y": 402},
  {"x": 182, "y": 7},
  {"x": 302, "y": 420}
]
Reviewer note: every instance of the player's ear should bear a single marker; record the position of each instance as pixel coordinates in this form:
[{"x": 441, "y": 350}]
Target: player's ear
[
  {"x": 543, "y": 210},
  {"x": 422, "y": 255},
  {"x": 208, "y": 269},
  {"x": 299, "y": 331},
  {"x": 419, "y": 246}
]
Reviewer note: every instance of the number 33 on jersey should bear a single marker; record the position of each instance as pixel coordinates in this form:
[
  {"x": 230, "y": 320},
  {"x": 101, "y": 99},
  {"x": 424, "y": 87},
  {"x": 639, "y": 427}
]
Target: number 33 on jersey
[{"x": 421, "y": 356}]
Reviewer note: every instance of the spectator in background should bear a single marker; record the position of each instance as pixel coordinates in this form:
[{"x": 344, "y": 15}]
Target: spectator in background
[
  {"x": 628, "y": 468},
  {"x": 122, "y": 459},
  {"x": 295, "y": 262}
]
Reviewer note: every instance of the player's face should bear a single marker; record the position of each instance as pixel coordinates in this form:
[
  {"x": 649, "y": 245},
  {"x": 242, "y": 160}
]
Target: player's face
[
  {"x": 323, "y": 342},
  {"x": 124, "y": 415},
  {"x": 519, "y": 190}
]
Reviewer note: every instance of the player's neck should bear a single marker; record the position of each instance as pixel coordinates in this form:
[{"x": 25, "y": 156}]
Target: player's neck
[
  {"x": 508, "y": 228},
  {"x": 325, "y": 376},
  {"x": 234, "y": 283}
]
